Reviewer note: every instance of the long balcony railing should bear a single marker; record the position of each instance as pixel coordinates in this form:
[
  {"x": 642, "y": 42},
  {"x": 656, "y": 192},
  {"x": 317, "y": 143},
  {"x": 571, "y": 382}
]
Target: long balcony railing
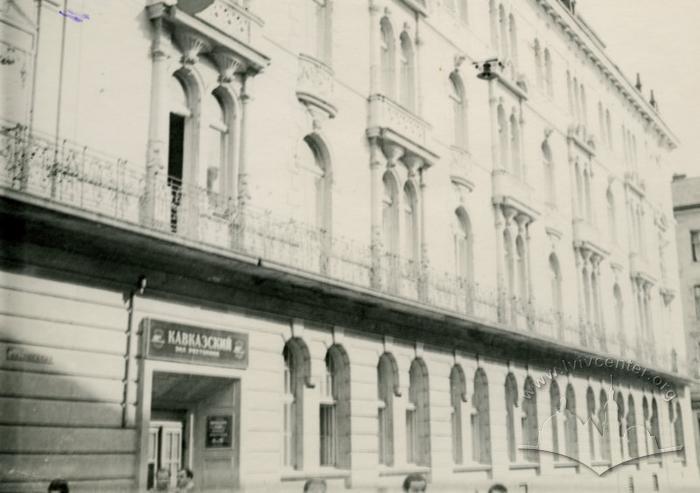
[{"x": 78, "y": 179}]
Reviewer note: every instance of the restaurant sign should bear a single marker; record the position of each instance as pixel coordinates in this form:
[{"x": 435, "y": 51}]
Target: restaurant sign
[{"x": 176, "y": 342}]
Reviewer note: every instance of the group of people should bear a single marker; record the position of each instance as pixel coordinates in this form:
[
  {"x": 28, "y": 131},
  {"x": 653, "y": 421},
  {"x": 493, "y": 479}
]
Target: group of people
[{"x": 413, "y": 483}]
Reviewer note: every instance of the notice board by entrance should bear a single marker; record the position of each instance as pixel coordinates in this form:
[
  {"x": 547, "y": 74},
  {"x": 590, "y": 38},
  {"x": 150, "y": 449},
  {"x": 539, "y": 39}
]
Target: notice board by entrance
[{"x": 177, "y": 342}]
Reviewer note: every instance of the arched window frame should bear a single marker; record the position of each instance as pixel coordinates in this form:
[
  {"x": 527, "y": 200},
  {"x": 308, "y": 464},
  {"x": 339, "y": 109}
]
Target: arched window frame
[
  {"x": 459, "y": 111},
  {"x": 407, "y": 93},
  {"x": 555, "y": 411},
  {"x": 296, "y": 379},
  {"x": 481, "y": 419},
  {"x": 621, "y": 426},
  {"x": 549, "y": 175},
  {"x": 458, "y": 396},
  {"x": 612, "y": 216},
  {"x": 503, "y": 138},
  {"x": 603, "y": 423},
  {"x": 318, "y": 177},
  {"x": 513, "y": 36},
  {"x": 570, "y": 423},
  {"x": 591, "y": 417},
  {"x": 516, "y": 163},
  {"x": 410, "y": 225},
  {"x": 387, "y": 390},
  {"x": 631, "y": 428},
  {"x": 463, "y": 245},
  {"x": 548, "y": 73},
  {"x": 530, "y": 424},
  {"x": 418, "y": 415},
  {"x": 388, "y": 58},
  {"x": 555, "y": 284},
  {"x": 539, "y": 77},
  {"x": 511, "y": 405},
  {"x": 334, "y": 409}
]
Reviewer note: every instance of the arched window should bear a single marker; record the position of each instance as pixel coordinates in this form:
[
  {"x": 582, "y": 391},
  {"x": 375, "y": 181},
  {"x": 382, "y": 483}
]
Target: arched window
[
  {"x": 216, "y": 146},
  {"x": 503, "y": 137},
  {"x": 538, "y": 64},
  {"x": 179, "y": 143},
  {"x": 677, "y": 425},
  {"x": 315, "y": 183},
  {"x": 570, "y": 424},
  {"x": 621, "y": 427},
  {"x": 548, "y": 73},
  {"x": 655, "y": 428},
  {"x": 410, "y": 224},
  {"x": 522, "y": 268},
  {"x": 390, "y": 214},
  {"x": 619, "y": 311},
  {"x": 529, "y": 421},
  {"x": 591, "y": 416},
  {"x": 510, "y": 262},
  {"x": 647, "y": 426},
  {"x": 388, "y": 55},
  {"x": 459, "y": 113},
  {"x": 604, "y": 425},
  {"x": 481, "y": 419},
  {"x": 632, "y": 444},
  {"x": 407, "y": 64},
  {"x": 601, "y": 123},
  {"x": 334, "y": 412},
  {"x": 549, "y": 180},
  {"x": 612, "y": 216},
  {"x": 555, "y": 283},
  {"x": 295, "y": 355},
  {"x": 463, "y": 245},
  {"x": 503, "y": 31},
  {"x": 511, "y": 392},
  {"x": 386, "y": 389},
  {"x": 513, "y": 31},
  {"x": 584, "y": 106},
  {"x": 554, "y": 411},
  {"x": 608, "y": 129},
  {"x": 418, "y": 416},
  {"x": 587, "y": 194},
  {"x": 569, "y": 93},
  {"x": 457, "y": 396},
  {"x": 515, "y": 145}
]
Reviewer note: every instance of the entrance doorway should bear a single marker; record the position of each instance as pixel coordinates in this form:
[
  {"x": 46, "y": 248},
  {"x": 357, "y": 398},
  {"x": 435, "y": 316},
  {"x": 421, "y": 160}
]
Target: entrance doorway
[{"x": 195, "y": 423}]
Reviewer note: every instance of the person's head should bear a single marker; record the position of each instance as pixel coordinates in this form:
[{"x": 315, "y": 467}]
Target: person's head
[
  {"x": 184, "y": 477},
  {"x": 315, "y": 485},
  {"x": 415, "y": 483},
  {"x": 58, "y": 486},
  {"x": 162, "y": 479},
  {"x": 498, "y": 488}
]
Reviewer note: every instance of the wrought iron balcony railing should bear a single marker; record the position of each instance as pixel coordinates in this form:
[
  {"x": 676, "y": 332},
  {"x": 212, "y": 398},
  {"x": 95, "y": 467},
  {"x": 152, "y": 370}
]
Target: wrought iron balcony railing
[{"x": 78, "y": 180}]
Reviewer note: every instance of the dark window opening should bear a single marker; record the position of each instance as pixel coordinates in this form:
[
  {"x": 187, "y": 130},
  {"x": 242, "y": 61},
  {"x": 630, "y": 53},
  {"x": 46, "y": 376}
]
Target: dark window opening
[{"x": 176, "y": 144}]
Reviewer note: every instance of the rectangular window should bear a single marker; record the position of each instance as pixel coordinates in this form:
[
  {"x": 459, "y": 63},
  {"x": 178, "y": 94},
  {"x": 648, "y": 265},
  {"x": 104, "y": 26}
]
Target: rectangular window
[
  {"x": 328, "y": 435},
  {"x": 697, "y": 302},
  {"x": 411, "y": 434},
  {"x": 695, "y": 245}
]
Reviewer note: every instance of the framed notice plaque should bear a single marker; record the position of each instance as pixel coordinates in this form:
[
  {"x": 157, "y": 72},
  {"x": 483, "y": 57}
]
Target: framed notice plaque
[{"x": 218, "y": 431}]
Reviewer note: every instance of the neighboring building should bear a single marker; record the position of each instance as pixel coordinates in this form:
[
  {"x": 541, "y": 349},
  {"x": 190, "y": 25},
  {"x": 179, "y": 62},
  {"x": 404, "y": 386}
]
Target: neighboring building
[
  {"x": 686, "y": 208},
  {"x": 273, "y": 240}
]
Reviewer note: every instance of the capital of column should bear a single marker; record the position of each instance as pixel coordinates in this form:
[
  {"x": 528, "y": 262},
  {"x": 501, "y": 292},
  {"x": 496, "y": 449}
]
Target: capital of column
[
  {"x": 394, "y": 153},
  {"x": 191, "y": 45},
  {"x": 509, "y": 214},
  {"x": 228, "y": 65},
  {"x": 413, "y": 163}
]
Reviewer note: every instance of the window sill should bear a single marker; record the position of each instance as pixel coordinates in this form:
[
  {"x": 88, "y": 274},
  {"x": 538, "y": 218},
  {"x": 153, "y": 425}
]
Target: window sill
[
  {"x": 325, "y": 473},
  {"x": 601, "y": 463},
  {"x": 566, "y": 465},
  {"x": 524, "y": 466},
  {"x": 403, "y": 470},
  {"x": 473, "y": 468}
]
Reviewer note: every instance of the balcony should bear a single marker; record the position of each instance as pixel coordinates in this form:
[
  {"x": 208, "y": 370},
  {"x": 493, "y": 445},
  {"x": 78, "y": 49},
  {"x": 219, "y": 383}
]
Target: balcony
[
  {"x": 640, "y": 267},
  {"x": 587, "y": 236},
  {"x": 510, "y": 190},
  {"x": 316, "y": 85},
  {"x": 65, "y": 182},
  {"x": 395, "y": 124}
]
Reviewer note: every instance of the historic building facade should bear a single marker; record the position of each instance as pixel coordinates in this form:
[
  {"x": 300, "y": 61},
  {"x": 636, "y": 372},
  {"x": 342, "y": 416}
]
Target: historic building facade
[
  {"x": 686, "y": 209},
  {"x": 275, "y": 240}
]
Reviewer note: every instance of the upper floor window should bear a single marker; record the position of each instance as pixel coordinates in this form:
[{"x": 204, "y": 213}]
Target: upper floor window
[
  {"x": 321, "y": 29},
  {"x": 407, "y": 64},
  {"x": 503, "y": 31},
  {"x": 386, "y": 385},
  {"x": 459, "y": 113},
  {"x": 621, "y": 428},
  {"x": 539, "y": 77},
  {"x": 388, "y": 54},
  {"x": 293, "y": 396},
  {"x": 631, "y": 422},
  {"x": 695, "y": 245},
  {"x": 315, "y": 183},
  {"x": 612, "y": 216},
  {"x": 511, "y": 403},
  {"x": 503, "y": 137},
  {"x": 390, "y": 214},
  {"x": 591, "y": 416},
  {"x": 570, "y": 423},
  {"x": 513, "y": 32},
  {"x": 555, "y": 281},
  {"x": 410, "y": 223},
  {"x": 604, "y": 426},
  {"x": 549, "y": 180},
  {"x": 608, "y": 128},
  {"x": 418, "y": 416},
  {"x": 548, "y": 73},
  {"x": 655, "y": 427},
  {"x": 696, "y": 291},
  {"x": 554, "y": 411},
  {"x": 463, "y": 245},
  {"x": 515, "y": 144},
  {"x": 619, "y": 311}
]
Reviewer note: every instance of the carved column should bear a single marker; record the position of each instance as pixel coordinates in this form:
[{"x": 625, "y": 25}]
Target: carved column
[
  {"x": 156, "y": 159},
  {"x": 243, "y": 185},
  {"x": 500, "y": 263},
  {"x": 376, "y": 165},
  {"x": 581, "y": 292}
]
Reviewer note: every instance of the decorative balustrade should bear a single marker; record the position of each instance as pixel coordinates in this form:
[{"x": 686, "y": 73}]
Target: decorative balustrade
[
  {"x": 77, "y": 179},
  {"x": 512, "y": 190},
  {"x": 387, "y": 114},
  {"x": 315, "y": 84}
]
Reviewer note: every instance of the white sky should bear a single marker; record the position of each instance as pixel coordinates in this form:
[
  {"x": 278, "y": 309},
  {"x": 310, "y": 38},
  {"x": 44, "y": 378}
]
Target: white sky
[{"x": 660, "y": 39}]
